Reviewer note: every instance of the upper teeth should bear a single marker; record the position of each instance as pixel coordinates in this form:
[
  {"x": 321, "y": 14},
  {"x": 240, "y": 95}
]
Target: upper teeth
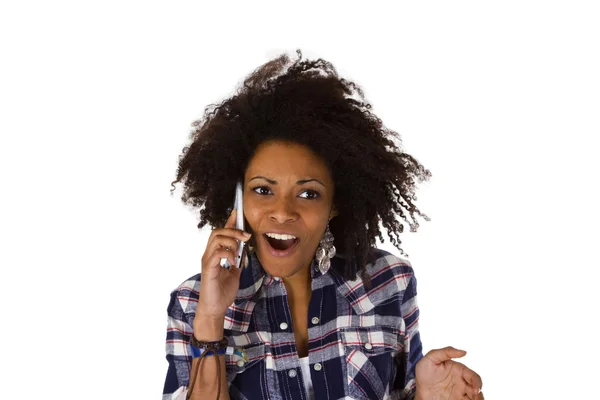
[{"x": 280, "y": 237}]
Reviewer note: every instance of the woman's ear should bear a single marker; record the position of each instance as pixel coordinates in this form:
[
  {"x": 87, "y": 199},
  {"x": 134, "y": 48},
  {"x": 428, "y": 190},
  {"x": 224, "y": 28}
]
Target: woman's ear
[{"x": 333, "y": 213}]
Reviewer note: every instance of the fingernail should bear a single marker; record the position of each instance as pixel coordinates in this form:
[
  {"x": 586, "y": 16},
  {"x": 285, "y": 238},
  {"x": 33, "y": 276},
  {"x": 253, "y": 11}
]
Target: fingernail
[{"x": 247, "y": 234}]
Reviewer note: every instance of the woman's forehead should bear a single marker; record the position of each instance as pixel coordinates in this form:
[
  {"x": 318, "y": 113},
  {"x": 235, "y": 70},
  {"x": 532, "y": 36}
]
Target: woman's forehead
[{"x": 277, "y": 159}]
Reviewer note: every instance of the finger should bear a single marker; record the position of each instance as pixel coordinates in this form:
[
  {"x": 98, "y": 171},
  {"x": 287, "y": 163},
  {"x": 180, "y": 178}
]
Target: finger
[
  {"x": 217, "y": 255},
  {"x": 473, "y": 380},
  {"x": 438, "y": 356},
  {"x": 472, "y": 391},
  {"x": 469, "y": 395},
  {"x": 226, "y": 237},
  {"x": 230, "y": 227},
  {"x": 236, "y": 271},
  {"x": 232, "y": 232},
  {"x": 231, "y": 220},
  {"x": 223, "y": 242},
  {"x": 472, "y": 395},
  {"x": 214, "y": 263},
  {"x": 218, "y": 243}
]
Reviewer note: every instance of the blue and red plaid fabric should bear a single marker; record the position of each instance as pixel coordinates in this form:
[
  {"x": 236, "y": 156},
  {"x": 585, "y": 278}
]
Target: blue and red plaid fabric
[{"x": 363, "y": 343}]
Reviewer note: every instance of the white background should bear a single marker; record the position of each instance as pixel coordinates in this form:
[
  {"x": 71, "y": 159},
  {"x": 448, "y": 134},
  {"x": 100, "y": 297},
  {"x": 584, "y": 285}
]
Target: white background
[{"x": 500, "y": 100}]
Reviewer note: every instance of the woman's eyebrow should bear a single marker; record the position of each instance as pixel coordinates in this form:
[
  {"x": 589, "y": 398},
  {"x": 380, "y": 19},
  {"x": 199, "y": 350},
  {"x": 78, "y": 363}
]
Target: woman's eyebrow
[{"x": 300, "y": 182}]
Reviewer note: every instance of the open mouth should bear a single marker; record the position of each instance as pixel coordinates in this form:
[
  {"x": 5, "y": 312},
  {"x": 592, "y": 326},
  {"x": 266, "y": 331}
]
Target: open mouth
[{"x": 281, "y": 247}]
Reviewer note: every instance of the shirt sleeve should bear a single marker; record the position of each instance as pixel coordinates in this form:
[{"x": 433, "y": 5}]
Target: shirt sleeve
[
  {"x": 413, "y": 349},
  {"x": 178, "y": 351}
]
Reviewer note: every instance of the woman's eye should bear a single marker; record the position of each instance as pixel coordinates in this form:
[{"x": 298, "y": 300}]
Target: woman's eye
[
  {"x": 261, "y": 190},
  {"x": 307, "y": 194},
  {"x": 311, "y": 194}
]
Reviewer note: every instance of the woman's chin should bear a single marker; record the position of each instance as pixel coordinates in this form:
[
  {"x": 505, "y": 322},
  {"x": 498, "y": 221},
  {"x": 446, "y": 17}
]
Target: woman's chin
[{"x": 277, "y": 266}]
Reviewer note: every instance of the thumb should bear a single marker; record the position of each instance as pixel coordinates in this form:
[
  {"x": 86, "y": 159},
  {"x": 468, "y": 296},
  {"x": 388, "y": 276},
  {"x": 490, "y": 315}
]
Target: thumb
[{"x": 438, "y": 356}]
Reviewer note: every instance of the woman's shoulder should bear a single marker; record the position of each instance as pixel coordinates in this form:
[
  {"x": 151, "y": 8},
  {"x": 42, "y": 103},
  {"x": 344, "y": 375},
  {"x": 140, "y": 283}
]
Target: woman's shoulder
[
  {"x": 184, "y": 298},
  {"x": 189, "y": 286},
  {"x": 381, "y": 261},
  {"x": 392, "y": 277},
  {"x": 389, "y": 278}
]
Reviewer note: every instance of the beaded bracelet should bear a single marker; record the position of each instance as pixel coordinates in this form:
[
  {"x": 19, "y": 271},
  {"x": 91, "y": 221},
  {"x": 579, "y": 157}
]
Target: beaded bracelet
[
  {"x": 196, "y": 352},
  {"x": 203, "y": 349},
  {"x": 200, "y": 348},
  {"x": 220, "y": 344},
  {"x": 230, "y": 350}
]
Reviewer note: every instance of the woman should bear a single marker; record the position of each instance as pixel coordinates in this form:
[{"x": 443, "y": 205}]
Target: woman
[{"x": 318, "y": 312}]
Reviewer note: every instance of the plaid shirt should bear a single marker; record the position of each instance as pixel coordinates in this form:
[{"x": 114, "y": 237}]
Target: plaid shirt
[{"x": 362, "y": 343}]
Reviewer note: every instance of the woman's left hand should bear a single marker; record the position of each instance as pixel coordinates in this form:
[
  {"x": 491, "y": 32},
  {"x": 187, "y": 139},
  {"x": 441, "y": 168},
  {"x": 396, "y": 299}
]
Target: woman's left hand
[{"x": 440, "y": 378}]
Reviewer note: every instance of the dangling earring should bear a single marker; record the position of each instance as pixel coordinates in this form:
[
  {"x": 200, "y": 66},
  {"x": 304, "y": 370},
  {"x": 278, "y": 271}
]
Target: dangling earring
[{"x": 325, "y": 251}]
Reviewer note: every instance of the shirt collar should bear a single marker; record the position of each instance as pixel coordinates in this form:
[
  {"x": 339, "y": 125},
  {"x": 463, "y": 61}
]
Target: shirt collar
[{"x": 254, "y": 276}]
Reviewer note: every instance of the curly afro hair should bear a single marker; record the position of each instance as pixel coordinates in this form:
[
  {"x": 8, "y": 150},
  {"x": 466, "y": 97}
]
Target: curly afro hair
[{"x": 307, "y": 103}]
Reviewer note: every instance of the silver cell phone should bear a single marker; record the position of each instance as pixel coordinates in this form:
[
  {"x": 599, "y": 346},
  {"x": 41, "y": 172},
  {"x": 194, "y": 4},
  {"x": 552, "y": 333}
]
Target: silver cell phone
[{"x": 239, "y": 224}]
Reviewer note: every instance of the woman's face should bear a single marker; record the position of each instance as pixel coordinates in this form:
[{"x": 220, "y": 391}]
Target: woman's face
[{"x": 288, "y": 197}]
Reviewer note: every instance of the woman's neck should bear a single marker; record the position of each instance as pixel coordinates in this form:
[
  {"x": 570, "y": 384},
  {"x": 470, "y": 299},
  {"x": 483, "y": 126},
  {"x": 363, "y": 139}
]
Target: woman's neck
[{"x": 299, "y": 286}]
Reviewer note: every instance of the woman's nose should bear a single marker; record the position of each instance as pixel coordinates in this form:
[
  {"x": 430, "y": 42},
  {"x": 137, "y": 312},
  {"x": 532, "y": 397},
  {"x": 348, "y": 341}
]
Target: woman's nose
[{"x": 283, "y": 211}]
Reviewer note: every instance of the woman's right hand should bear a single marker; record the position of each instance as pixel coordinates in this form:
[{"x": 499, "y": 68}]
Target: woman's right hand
[{"x": 218, "y": 285}]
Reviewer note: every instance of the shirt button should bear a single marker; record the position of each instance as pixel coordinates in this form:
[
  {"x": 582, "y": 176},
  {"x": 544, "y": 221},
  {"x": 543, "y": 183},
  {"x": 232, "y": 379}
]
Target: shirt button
[
  {"x": 283, "y": 326},
  {"x": 318, "y": 366},
  {"x": 368, "y": 346},
  {"x": 315, "y": 320},
  {"x": 240, "y": 363},
  {"x": 292, "y": 373},
  {"x": 277, "y": 278}
]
